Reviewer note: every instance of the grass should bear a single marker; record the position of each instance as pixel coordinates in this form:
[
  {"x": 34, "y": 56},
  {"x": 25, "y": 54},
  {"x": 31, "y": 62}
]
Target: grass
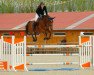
[{"x": 28, "y": 6}]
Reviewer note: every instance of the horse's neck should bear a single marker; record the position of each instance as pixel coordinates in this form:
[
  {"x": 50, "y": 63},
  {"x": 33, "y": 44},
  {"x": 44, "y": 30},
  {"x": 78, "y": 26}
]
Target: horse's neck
[{"x": 42, "y": 24}]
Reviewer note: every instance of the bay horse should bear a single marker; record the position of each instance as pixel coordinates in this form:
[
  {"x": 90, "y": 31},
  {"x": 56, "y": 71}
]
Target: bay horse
[{"x": 43, "y": 25}]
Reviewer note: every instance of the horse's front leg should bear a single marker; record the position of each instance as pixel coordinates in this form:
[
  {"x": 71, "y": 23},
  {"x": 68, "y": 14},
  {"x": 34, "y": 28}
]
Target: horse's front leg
[
  {"x": 45, "y": 34},
  {"x": 50, "y": 30},
  {"x": 48, "y": 35}
]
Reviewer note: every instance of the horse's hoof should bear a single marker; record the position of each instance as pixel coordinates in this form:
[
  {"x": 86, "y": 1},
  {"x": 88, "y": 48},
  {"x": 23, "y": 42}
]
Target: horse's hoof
[
  {"x": 45, "y": 38},
  {"x": 34, "y": 40},
  {"x": 48, "y": 38}
]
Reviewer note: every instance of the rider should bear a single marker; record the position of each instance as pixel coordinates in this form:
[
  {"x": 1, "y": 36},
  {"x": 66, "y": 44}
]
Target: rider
[{"x": 41, "y": 9}]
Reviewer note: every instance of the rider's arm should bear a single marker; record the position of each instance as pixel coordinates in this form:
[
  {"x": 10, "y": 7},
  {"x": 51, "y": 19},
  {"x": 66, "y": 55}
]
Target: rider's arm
[
  {"x": 45, "y": 9},
  {"x": 37, "y": 11}
]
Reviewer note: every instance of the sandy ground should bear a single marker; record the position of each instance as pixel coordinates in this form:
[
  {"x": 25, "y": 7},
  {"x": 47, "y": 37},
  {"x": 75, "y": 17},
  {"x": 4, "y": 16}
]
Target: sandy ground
[{"x": 77, "y": 72}]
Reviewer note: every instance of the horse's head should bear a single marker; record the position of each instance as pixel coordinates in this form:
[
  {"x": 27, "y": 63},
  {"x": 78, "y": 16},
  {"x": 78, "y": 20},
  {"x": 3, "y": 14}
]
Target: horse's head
[
  {"x": 48, "y": 21},
  {"x": 48, "y": 18}
]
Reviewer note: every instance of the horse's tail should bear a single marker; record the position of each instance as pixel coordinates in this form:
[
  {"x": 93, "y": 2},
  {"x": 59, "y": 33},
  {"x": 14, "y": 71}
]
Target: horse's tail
[{"x": 27, "y": 28}]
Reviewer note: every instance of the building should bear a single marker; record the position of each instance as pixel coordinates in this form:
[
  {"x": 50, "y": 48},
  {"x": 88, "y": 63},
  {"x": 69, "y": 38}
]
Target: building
[{"x": 66, "y": 25}]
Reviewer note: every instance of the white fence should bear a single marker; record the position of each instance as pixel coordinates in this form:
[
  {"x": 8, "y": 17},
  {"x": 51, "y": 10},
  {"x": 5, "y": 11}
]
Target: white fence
[{"x": 13, "y": 53}]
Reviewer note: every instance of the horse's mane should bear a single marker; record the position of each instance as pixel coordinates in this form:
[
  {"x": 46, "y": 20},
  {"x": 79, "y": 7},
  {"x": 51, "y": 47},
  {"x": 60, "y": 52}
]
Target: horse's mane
[{"x": 45, "y": 17}]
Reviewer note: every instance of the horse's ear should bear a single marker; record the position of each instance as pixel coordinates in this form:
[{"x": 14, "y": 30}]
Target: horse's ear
[{"x": 53, "y": 17}]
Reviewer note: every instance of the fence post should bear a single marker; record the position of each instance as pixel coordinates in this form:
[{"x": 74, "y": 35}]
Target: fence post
[{"x": 93, "y": 53}]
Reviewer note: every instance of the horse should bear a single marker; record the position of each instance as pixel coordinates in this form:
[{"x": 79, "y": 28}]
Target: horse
[{"x": 43, "y": 25}]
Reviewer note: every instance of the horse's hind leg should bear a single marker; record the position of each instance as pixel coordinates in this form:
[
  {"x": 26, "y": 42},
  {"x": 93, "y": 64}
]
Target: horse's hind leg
[
  {"x": 27, "y": 29},
  {"x": 34, "y": 37}
]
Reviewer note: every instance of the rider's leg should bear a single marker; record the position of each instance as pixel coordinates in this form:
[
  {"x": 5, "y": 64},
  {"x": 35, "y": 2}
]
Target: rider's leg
[
  {"x": 34, "y": 23},
  {"x": 36, "y": 17}
]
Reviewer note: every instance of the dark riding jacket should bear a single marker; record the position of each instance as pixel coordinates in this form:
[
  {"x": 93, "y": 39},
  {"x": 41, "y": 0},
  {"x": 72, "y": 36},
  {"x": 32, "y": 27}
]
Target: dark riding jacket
[{"x": 41, "y": 11}]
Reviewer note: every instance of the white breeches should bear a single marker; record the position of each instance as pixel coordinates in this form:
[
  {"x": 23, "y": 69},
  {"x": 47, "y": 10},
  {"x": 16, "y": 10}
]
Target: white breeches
[{"x": 35, "y": 18}]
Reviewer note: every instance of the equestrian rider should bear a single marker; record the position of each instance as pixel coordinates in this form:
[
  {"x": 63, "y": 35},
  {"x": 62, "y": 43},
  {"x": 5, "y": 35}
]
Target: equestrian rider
[{"x": 41, "y": 9}]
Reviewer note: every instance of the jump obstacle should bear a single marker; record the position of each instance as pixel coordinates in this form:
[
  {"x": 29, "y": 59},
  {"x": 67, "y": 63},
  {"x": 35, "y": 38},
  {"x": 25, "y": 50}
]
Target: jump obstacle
[
  {"x": 85, "y": 52},
  {"x": 13, "y": 52}
]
